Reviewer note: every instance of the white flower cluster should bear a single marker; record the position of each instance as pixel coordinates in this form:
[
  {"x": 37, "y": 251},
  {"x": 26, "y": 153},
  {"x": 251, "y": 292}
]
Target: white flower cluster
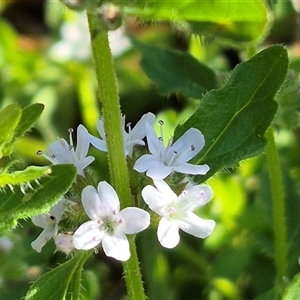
[{"x": 108, "y": 224}]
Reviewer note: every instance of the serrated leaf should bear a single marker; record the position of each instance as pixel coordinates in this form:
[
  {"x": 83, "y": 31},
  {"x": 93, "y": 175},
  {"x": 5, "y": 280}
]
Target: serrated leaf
[
  {"x": 175, "y": 71},
  {"x": 55, "y": 285},
  {"x": 293, "y": 290},
  {"x": 16, "y": 205},
  {"x": 233, "y": 119},
  {"x": 9, "y": 119},
  {"x": 237, "y": 20},
  {"x": 30, "y": 114}
]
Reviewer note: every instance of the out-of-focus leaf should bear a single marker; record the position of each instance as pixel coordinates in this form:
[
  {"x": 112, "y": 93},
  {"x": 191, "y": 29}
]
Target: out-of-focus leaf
[
  {"x": 175, "y": 71},
  {"x": 9, "y": 119},
  {"x": 234, "y": 119},
  {"x": 30, "y": 114},
  {"x": 237, "y": 20}
]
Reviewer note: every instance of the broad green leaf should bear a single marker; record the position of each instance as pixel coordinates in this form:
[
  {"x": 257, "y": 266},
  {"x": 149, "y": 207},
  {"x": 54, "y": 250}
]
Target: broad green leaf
[
  {"x": 175, "y": 71},
  {"x": 46, "y": 192},
  {"x": 58, "y": 284},
  {"x": 30, "y": 114},
  {"x": 233, "y": 119},
  {"x": 237, "y": 20},
  {"x": 9, "y": 119},
  {"x": 293, "y": 290}
]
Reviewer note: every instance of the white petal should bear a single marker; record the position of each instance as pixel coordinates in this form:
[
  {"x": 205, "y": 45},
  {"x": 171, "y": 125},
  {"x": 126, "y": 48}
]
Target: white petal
[
  {"x": 58, "y": 210},
  {"x": 139, "y": 130},
  {"x": 91, "y": 203},
  {"x": 41, "y": 220},
  {"x": 196, "y": 196},
  {"x": 191, "y": 169},
  {"x": 96, "y": 142},
  {"x": 58, "y": 152},
  {"x": 82, "y": 142},
  {"x": 166, "y": 191},
  {"x": 158, "y": 171},
  {"x": 83, "y": 163},
  {"x": 168, "y": 233},
  {"x": 108, "y": 196},
  {"x": 87, "y": 236},
  {"x": 43, "y": 238},
  {"x": 188, "y": 146},
  {"x": 197, "y": 226},
  {"x": 155, "y": 199},
  {"x": 135, "y": 220},
  {"x": 116, "y": 246},
  {"x": 100, "y": 128},
  {"x": 144, "y": 162},
  {"x": 154, "y": 144}
]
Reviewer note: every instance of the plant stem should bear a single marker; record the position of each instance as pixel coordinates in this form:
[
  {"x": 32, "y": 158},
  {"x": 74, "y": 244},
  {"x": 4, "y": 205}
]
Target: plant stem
[
  {"x": 278, "y": 210},
  {"x": 108, "y": 93}
]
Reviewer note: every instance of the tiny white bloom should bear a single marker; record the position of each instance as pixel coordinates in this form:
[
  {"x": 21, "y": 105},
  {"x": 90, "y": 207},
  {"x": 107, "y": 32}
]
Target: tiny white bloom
[
  {"x": 177, "y": 211},
  {"x": 164, "y": 160},
  {"x": 60, "y": 152},
  {"x": 64, "y": 242},
  {"x": 108, "y": 224},
  {"x": 131, "y": 138},
  {"x": 49, "y": 222}
]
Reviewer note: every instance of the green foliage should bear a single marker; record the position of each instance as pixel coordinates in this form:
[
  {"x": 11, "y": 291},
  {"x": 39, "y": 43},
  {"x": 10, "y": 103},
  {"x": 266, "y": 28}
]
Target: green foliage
[
  {"x": 233, "y": 119},
  {"x": 53, "y": 182},
  {"x": 14, "y": 122},
  {"x": 236, "y": 20},
  {"x": 63, "y": 282},
  {"x": 293, "y": 290},
  {"x": 175, "y": 71}
]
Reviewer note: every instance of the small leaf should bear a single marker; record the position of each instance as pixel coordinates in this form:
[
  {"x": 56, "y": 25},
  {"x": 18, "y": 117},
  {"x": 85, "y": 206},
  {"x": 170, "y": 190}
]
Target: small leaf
[
  {"x": 9, "y": 119},
  {"x": 55, "y": 285},
  {"x": 30, "y": 114},
  {"x": 22, "y": 177},
  {"x": 233, "y": 119},
  {"x": 175, "y": 71},
  {"x": 293, "y": 290},
  {"x": 15, "y": 205}
]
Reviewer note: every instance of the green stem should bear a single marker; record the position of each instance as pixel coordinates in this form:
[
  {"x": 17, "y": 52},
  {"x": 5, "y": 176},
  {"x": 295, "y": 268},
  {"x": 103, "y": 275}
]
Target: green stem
[
  {"x": 278, "y": 210},
  {"x": 108, "y": 93}
]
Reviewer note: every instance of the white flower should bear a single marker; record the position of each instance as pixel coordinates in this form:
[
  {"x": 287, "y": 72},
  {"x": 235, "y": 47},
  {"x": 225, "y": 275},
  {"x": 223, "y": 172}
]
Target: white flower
[
  {"x": 50, "y": 224},
  {"x": 131, "y": 138},
  {"x": 60, "y": 152},
  {"x": 177, "y": 211},
  {"x": 164, "y": 160},
  {"x": 108, "y": 224}
]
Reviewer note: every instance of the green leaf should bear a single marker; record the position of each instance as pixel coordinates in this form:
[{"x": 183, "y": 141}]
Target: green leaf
[
  {"x": 293, "y": 290},
  {"x": 233, "y": 119},
  {"x": 237, "y": 20},
  {"x": 288, "y": 98},
  {"x": 58, "y": 284},
  {"x": 175, "y": 71},
  {"x": 30, "y": 114},
  {"x": 51, "y": 187},
  {"x": 22, "y": 177},
  {"x": 9, "y": 119}
]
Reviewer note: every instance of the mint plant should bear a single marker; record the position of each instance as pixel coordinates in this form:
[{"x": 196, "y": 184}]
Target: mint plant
[{"x": 126, "y": 193}]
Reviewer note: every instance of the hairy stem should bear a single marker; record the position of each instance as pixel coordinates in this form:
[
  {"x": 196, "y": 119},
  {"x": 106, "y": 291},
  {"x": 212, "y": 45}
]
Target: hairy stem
[
  {"x": 278, "y": 210},
  {"x": 108, "y": 93}
]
